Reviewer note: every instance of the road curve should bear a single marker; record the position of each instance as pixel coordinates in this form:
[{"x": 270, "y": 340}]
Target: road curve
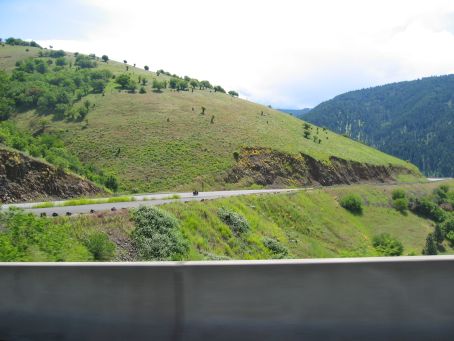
[{"x": 140, "y": 200}]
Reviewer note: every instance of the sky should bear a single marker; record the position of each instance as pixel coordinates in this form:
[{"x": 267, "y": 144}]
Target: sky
[{"x": 284, "y": 53}]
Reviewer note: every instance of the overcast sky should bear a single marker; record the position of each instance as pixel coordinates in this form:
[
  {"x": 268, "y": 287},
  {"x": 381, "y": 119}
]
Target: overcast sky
[{"x": 290, "y": 54}]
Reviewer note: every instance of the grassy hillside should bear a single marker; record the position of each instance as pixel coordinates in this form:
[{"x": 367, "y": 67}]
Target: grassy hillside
[
  {"x": 160, "y": 140},
  {"x": 308, "y": 224},
  {"x": 412, "y": 120}
]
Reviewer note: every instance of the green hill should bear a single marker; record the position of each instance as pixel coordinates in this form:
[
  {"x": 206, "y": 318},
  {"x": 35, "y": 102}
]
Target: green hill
[
  {"x": 169, "y": 139},
  {"x": 412, "y": 120}
]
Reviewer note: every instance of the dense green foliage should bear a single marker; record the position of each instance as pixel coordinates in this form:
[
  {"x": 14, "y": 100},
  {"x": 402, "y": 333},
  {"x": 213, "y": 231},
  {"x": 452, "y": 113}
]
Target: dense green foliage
[
  {"x": 352, "y": 202},
  {"x": 428, "y": 208},
  {"x": 24, "y": 237},
  {"x": 52, "y": 149},
  {"x": 17, "y": 41},
  {"x": 401, "y": 204},
  {"x": 235, "y": 221},
  {"x": 411, "y": 120},
  {"x": 387, "y": 245},
  {"x": 398, "y": 194},
  {"x": 126, "y": 82},
  {"x": 50, "y": 90},
  {"x": 157, "y": 235}
]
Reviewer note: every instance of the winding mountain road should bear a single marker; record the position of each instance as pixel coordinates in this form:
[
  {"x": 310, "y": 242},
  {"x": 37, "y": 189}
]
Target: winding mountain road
[{"x": 138, "y": 200}]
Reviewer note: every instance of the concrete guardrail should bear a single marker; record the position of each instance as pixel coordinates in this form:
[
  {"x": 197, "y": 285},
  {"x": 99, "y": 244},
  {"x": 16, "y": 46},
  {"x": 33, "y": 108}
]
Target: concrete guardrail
[{"x": 405, "y": 298}]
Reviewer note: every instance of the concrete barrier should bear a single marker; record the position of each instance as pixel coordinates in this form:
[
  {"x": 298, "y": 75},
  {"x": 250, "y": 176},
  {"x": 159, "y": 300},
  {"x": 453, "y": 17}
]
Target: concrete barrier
[{"x": 406, "y": 298}]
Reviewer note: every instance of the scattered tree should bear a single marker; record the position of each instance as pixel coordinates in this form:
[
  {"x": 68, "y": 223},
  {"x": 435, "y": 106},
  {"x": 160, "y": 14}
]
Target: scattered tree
[
  {"x": 219, "y": 88},
  {"x": 105, "y": 58},
  {"x": 233, "y": 93},
  {"x": 146, "y": 68},
  {"x": 430, "y": 247}
]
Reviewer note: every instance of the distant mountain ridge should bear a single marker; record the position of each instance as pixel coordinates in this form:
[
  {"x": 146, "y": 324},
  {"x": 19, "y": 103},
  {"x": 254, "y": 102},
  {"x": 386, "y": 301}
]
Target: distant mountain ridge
[
  {"x": 413, "y": 120},
  {"x": 296, "y": 112}
]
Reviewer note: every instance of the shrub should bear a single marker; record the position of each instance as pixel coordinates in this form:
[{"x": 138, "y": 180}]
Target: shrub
[
  {"x": 447, "y": 225},
  {"x": 100, "y": 246},
  {"x": 142, "y": 90},
  {"x": 428, "y": 209},
  {"x": 441, "y": 193},
  {"x": 352, "y": 202},
  {"x": 275, "y": 247},
  {"x": 398, "y": 194},
  {"x": 157, "y": 235},
  {"x": 25, "y": 237},
  {"x": 430, "y": 247},
  {"x": 111, "y": 183},
  {"x": 237, "y": 223},
  {"x": 450, "y": 237},
  {"x": 401, "y": 204},
  {"x": 387, "y": 245}
]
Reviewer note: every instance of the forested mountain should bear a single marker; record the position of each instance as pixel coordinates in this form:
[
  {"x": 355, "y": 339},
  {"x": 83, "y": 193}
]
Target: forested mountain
[{"x": 412, "y": 120}]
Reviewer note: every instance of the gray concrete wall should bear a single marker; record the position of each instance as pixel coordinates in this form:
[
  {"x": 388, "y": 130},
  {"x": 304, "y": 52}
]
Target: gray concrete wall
[{"x": 407, "y": 298}]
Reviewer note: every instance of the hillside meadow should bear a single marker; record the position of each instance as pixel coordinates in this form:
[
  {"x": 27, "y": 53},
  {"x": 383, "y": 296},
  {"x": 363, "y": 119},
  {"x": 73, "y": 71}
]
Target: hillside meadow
[{"x": 179, "y": 140}]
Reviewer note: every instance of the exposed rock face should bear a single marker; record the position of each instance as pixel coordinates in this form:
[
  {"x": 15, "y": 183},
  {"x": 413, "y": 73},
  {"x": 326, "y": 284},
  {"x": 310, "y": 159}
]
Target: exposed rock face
[
  {"x": 25, "y": 179},
  {"x": 269, "y": 167}
]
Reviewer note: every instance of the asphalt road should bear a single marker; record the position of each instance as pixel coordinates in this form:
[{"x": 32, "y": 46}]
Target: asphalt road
[{"x": 140, "y": 200}]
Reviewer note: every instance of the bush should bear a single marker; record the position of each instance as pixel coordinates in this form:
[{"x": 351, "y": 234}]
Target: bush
[
  {"x": 25, "y": 237},
  {"x": 441, "y": 194},
  {"x": 430, "y": 248},
  {"x": 398, "y": 194},
  {"x": 275, "y": 247},
  {"x": 157, "y": 235},
  {"x": 401, "y": 204},
  {"x": 353, "y": 203},
  {"x": 111, "y": 183},
  {"x": 387, "y": 245},
  {"x": 428, "y": 209},
  {"x": 100, "y": 246},
  {"x": 438, "y": 234},
  {"x": 447, "y": 225},
  {"x": 237, "y": 223}
]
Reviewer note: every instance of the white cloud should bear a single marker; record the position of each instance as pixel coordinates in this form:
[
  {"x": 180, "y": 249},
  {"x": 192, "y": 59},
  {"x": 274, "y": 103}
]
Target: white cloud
[{"x": 280, "y": 52}]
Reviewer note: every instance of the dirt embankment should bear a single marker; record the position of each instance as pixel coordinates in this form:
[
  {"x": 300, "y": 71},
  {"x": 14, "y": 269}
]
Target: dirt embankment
[
  {"x": 269, "y": 167},
  {"x": 25, "y": 179}
]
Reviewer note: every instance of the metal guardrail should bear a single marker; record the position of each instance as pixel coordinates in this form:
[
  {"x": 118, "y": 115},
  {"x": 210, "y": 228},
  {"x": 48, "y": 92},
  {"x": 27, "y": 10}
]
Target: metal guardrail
[{"x": 402, "y": 298}]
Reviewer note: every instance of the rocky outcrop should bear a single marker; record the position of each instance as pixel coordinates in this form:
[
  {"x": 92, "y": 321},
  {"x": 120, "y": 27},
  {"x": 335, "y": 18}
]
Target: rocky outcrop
[
  {"x": 268, "y": 167},
  {"x": 23, "y": 178}
]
